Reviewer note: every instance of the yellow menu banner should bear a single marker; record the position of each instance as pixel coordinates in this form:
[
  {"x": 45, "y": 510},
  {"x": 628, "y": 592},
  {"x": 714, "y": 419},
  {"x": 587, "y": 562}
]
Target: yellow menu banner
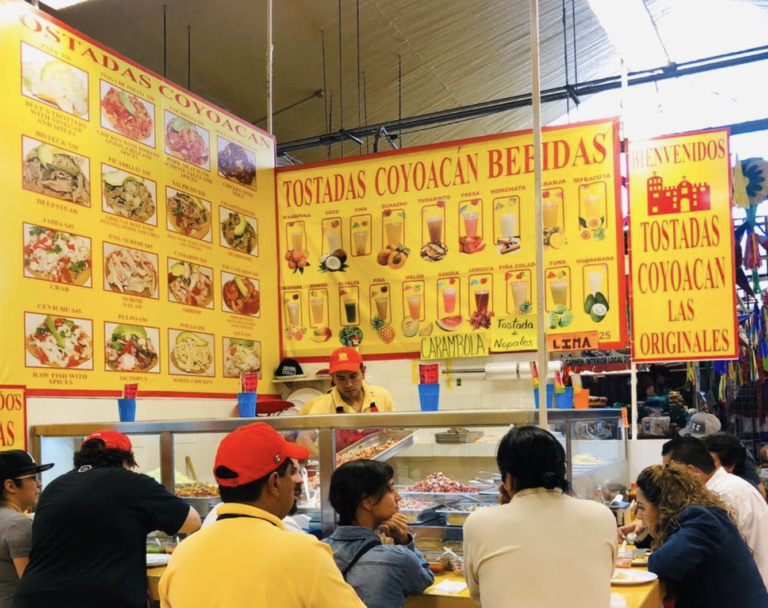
[
  {"x": 382, "y": 251},
  {"x": 13, "y": 418},
  {"x": 683, "y": 290},
  {"x": 138, "y": 225}
]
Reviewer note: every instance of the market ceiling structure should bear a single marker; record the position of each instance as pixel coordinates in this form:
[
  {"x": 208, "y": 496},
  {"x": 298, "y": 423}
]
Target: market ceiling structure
[{"x": 451, "y": 54}]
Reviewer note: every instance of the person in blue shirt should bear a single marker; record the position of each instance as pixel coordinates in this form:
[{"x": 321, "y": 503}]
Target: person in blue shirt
[
  {"x": 365, "y": 499},
  {"x": 697, "y": 547}
]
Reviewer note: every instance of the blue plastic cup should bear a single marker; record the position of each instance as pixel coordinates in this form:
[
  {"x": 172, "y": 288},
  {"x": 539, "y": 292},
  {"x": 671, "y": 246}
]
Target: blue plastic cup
[
  {"x": 550, "y": 391},
  {"x": 429, "y": 394},
  {"x": 246, "y": 403},
  {"x": 127, "y": 410}
]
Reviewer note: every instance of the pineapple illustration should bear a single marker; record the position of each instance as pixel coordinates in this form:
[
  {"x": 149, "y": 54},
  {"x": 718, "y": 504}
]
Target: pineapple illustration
[{"x": 384, "y": 329}]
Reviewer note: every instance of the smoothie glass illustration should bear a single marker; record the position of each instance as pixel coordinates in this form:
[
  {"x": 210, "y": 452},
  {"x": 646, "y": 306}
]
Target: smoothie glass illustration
[
  {"x": 559, "y": 290},
  {"x": 481, "y": 300},
  {"x": 508, "y": 225},
  {"x": 435, "y": 227},
  {"x": 297, "y": 240},
  {"x": 470, "y": 224},
  {"x": 414, "y": 305},
  {"x": 361, "y": 241},
  {"x": 317, "y": 306},
  {"x": 394, "y": 231},
  {"x": 382, "y": 306},
  {"x": 350, "y": 309},
  {"x": 449, "y": 300},
  {"x": 331, "y": 237},
  {"x": 595, "y": 276},
  {"x": 519, "y": 289},
  {"x": 292, "y": 306},
  {"x": 551, "y": 210},
  {"x": 592, "y": 198}
]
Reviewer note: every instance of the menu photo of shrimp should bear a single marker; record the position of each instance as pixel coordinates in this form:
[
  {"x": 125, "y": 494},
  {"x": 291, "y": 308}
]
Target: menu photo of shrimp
[
  {"x": 56, "y": 256},
  {"x": 190, "y": 284},
  {"x": 240, "y": 295},
  {"x": 191, "y": 353},
  {"x": 188, "y": 215},
  {"x": 59, "y": 342},
  {"x": 236, "y": 163},
  {"x": 127, "y": 114},
  {"x": 128, "y": 195},
  {"x": 238, "y": 232},
  {"x": 54, "y": 82},
  {"x": 241, "y": 357},
  {"x": 131, "y": 271},
  {"x": 187, "y": 141},
  {"x": 55, "y": 172},
  {"x": 131, "y": 348}
]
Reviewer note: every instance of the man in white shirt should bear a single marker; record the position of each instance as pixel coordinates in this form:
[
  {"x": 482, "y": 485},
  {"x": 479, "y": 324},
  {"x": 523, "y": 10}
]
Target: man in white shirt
[{"x": 750, "y": 508}]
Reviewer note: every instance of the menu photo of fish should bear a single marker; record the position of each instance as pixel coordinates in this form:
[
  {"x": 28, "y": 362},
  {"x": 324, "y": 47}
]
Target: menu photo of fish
[
  {"x": 54, "y": 82},
  {"x": 131, "y": 348},
  {"x": 186, "y": 141},
  {"x": 236, "y": 163},
  {"x": 240, "y": 295},
  {"x": 57, "y": 256},
  {"x": 131, "y": 271},
  {"x": 55, "y": 172},
  {"x": 59, "y": 342},
  {"x": 128, "y": 195},
  {"x": 238, "y": 231},
  {"x": 190, "y": 284},
  {"x": 188, "y": 215},
  {"x": 127, "y": 114},
  {"x": 191, "y": 353}
]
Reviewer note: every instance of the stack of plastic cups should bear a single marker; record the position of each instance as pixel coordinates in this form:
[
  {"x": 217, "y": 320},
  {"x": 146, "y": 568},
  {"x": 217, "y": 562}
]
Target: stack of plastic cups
[
  {"x": 126, "y": 406},
  {"x": 246, "y": 400},
  {"x": 429, "y": 387}
]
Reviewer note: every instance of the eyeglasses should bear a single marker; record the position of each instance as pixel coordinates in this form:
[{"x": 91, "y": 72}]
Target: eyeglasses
[{"x": 35, "y": 476}]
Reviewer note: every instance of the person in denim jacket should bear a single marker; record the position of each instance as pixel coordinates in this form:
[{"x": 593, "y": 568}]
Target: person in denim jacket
[{"x": 384, "y": 575}]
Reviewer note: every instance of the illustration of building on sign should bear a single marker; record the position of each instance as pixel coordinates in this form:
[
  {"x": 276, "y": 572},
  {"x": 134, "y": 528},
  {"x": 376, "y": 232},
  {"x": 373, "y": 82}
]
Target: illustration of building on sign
[{"x": 682, "y": 198}]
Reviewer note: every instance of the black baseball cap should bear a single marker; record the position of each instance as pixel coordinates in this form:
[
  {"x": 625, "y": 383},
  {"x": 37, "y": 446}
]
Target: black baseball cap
[
  {"x": 289, "y": 368},
  {"x": 17, "y": 463}
]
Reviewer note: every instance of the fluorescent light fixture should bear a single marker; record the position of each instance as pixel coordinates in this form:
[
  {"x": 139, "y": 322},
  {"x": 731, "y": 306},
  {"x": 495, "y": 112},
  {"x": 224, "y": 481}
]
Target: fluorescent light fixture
[
  {"x": 57, "y": 5},
  {"x": 632, "y": 32}
]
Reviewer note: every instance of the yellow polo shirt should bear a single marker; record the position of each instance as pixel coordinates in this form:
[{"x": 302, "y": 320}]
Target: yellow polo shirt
[
  {"x": 253, "y": 561},
  {"x": 327, "y": 404}
]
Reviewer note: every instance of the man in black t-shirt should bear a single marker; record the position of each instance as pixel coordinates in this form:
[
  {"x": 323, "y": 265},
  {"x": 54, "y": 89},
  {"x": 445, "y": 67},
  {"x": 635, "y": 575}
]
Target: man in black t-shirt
[{"x": 90, "y": 529}]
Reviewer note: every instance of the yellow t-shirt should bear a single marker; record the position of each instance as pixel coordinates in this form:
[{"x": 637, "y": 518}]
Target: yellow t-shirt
[
  {"x": 253, "y": 561},
  {"x": 327, "y": 404}
]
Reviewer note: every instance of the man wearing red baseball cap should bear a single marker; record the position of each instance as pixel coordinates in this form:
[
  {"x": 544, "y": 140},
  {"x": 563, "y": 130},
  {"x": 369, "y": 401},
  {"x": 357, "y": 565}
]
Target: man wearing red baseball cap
[
  {"x": 244, "y": 559},
  {"x": 90, "y": 531}
]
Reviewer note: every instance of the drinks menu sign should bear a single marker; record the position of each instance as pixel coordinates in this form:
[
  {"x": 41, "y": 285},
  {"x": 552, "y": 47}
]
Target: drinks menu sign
[
  {"x": 138, "y": 226},
  {"x": 681, "y": 254},
  {"x": 382, "y": 251}
]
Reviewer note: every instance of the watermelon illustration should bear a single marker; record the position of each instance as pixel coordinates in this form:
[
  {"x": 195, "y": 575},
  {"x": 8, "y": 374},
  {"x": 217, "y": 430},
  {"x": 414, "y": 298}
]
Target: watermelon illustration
[{"x": 450, "y": 323}]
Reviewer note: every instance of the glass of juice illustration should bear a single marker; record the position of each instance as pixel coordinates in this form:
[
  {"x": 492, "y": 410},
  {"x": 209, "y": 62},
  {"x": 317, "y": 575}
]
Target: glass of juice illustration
[
  {"x": 592, "y": 198},
  {"x": 519, "y": 292},
  {"x": 394, "y": 233},
  {"x": 449, "y": 299},
  {"x": 595, "y": 280},
  {"x": 332, "y": 237},
  {"x": 435, "y": 227},
  {"x": 508, "y": 224},
  {"x": 317, "y": 305},
  {"x": 350, "y": 310},
  {"x": 297, "y": 240},
  {"x": 361, "y": 242},
  {"x": 551, "y": 209},
  {"x": 382, "y": 305},
  {"x": 414, "y": 305},
  {"x": 481, "y": 300},
  {"x": 293, "y": 312},
  {"x": 470, "y": 224},
  {"x": 559, "y": 290}
]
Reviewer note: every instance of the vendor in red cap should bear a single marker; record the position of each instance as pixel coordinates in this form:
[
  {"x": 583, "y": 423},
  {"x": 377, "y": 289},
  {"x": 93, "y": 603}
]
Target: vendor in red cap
[
  {"x": 247, "y": 558},
  {"x": 90, "y": 530}
]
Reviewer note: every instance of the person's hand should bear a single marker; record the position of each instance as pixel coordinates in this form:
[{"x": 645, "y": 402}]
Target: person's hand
[
  {"x": 504, "y": 497},
  {"x": 636, "y": 527},
  {"x": 396, "y": 528}
]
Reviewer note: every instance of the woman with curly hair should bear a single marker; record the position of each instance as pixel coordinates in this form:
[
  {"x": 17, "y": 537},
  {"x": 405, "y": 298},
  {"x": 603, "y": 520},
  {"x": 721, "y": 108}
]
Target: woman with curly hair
[{"x": 697, "y": 547}]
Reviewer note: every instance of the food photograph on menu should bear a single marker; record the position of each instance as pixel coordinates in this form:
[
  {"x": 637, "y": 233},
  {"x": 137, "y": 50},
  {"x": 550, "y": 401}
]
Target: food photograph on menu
[
  {"x": 56, "y": 256},
  {"x": 131, "y": 271},
  {"x": 240, "y": 295},
  {"x": 186, "y": 141},
  {"x": 129, "y": 195},
  {"x": 241, "y": 357},
  {"x": 188, "y": 215},
  {"x": 54, "y": 172},
  {"x": 54, "y": 82},
  {"x": 190, "y": 284},
  {"x": 236, "y": 163},
  {"x": 239, "y": 232},
  {"x": 126, "y": 114},
  {"x": 131, "y": 348},
  {"x": 59, "y": 342},
  {"x": 191, "y": 353}
]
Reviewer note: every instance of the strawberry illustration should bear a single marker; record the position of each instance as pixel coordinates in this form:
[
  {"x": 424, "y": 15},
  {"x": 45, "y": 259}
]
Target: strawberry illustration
[
  {"x": 440, "y": 204},
  {"x": 387, "y": 212}
]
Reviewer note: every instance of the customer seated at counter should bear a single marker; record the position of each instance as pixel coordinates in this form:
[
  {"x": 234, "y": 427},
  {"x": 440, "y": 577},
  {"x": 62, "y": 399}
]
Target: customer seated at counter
[
  {"x": 246, "y": 558},
  {"x": 512, "y": 553},
  {"x": 365, "y": 499},
  {"x": 697, "y": 548},
  {"x": 728, "y": 452},
  {"x": 20, "y": 478},
  {"x": 90, "y": 530}
]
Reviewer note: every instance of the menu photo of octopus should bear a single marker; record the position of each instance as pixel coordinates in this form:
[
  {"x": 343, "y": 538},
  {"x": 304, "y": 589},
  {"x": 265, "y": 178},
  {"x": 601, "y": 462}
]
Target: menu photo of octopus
[
  {"x": 128, "y": 195},
  {"x": 187, "y": 141},
  {"x": 131, "y": 348},
  {"x": 130, "y": 271},
  {"x": 240, "y": 295},
  {"x": 57, "y": 256},
  {"x": 188, "y": 215},
  {"x": 190, "y": 284},
  {"x": 55, "y": 172},
  {"x": 57, "y": 341},
  {"x": 239, "y": 232},
  {"x": 191, "y": 353},
  {"x": 236, "y": 163},
  {"x": 127, "y": 114}
]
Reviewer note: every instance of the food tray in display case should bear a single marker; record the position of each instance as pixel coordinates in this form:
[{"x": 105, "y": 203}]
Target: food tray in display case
[{"x": 379, "y": 446}]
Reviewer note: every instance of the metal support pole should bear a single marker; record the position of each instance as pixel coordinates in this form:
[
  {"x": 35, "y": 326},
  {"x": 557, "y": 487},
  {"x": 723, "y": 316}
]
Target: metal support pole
[
  {"x": 542, "y": 355},
  {"x": 633, "y": 388},
  {"x": 167, "y": 461},
  {"x": 326, "y": 444},
  {"x": 270, "y": 59}
]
